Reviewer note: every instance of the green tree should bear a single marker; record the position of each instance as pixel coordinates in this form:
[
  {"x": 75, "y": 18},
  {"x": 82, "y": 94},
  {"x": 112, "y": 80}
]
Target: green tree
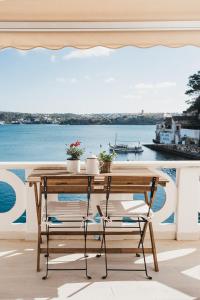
[{"x": 194, "y": 92}]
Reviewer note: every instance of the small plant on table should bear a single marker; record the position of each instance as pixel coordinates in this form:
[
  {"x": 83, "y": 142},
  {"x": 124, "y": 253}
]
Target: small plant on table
[{"x": 106, "y": 160}]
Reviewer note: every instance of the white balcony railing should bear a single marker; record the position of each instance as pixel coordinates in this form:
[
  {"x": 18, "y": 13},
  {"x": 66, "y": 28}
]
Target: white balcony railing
[{"x": 182, "y": 199}]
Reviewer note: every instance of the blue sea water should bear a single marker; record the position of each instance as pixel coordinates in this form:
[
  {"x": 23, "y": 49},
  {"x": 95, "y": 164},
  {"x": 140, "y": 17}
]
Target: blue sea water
[{"x": 48, "y": 143}]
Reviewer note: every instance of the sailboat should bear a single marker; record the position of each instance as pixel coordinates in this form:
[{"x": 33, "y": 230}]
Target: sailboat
[{"x": 126, "y": 147}]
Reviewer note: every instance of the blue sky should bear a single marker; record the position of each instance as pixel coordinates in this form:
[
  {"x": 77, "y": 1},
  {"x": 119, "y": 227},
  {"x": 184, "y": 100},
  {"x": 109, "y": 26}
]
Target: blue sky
[{"x": 97, "y": 80}]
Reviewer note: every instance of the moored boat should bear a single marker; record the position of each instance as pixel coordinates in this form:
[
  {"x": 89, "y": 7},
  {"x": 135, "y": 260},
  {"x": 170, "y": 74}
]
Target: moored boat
[
  {"x": 122, "y": 148},
  {"x": 126, "y": 147}
]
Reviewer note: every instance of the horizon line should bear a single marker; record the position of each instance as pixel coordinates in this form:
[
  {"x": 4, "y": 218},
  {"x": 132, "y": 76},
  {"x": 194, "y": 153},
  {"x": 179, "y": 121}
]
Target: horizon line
[{"x": 91, "y": 113}]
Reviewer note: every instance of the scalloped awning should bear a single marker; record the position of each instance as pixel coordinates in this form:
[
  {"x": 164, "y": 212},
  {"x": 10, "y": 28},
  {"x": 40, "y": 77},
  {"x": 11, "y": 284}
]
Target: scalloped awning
[{"x": 55, "y": 24}]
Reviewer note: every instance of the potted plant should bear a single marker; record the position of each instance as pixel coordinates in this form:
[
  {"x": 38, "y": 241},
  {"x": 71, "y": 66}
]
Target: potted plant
[
  {"x": 73, "y": 161},
  {"x": 105, "y": 160}
]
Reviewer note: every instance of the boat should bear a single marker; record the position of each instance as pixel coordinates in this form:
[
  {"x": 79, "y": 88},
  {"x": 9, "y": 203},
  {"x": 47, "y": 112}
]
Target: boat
[
  {"x": 15, "y": 123},
  {"x": 126, "y": 147}
]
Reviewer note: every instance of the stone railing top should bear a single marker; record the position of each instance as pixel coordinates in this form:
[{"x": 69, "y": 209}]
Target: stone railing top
[{"x": 116, "y": 164}]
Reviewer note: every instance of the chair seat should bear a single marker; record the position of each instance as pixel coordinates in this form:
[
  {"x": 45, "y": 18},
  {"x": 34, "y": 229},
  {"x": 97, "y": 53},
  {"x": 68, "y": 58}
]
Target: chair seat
[
  {"x": 69, "y": 210},
  {"x": 126, "y": 208}
]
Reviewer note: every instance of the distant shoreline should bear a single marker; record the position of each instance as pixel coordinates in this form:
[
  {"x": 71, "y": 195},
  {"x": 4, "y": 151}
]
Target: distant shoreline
[
  {"x": 13, "y": 118},
  {"x": 82, "y": 119}
]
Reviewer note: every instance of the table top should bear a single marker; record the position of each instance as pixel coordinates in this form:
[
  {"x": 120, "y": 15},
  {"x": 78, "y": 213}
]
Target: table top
[{"x": 36, "y": 174}]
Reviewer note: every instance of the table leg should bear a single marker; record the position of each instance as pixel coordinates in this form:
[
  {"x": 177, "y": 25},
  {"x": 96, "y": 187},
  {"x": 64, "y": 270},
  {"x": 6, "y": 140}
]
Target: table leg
[{"x": 153, "y": 245}]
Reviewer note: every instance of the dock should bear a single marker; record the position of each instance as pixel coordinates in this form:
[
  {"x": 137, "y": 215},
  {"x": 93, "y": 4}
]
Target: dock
[{"x": 186, "y": 151}]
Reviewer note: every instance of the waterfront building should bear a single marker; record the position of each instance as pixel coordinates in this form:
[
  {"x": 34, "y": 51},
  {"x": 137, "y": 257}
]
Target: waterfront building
[{"x": 168, "y": 132}]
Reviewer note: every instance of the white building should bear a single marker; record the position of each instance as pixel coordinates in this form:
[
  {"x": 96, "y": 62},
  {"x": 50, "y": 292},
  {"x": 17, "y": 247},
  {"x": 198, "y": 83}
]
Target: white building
[{"x": 168, "y": 132}]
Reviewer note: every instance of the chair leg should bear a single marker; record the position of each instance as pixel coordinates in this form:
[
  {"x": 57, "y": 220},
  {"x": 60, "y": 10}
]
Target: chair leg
[
  {"x": 47, "y": 255},
  {"x": 85, "y": 249},
  {"x": 153, "y": 245},
  {"x": 105, "y": 251},
  {"x": 101, "y": 249},
  {"x": 143, "y": 253},
  {"x": 142, "y": 238},
  {"x": 38, "y": 248}
]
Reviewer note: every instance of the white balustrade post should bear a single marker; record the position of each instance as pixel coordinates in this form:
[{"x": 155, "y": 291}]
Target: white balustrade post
[
  {"x": 188, "y": 185},
  {"x": 8, "y": 229},
  {"x": 31, "y": 216}
]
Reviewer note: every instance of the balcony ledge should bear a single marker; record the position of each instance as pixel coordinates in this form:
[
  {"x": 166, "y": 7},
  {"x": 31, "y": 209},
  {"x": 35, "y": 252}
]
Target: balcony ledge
[{"x": 116, "y": 164}]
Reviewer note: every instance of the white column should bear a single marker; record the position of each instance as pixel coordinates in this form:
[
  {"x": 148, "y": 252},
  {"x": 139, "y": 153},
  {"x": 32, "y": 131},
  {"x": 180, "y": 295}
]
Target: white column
[
  {"x": 31, "y": 216},
  {"x": 188, "y": 184}
]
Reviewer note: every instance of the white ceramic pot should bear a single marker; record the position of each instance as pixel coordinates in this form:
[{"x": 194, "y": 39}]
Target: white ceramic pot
[
  {"x": 73, "y": 166},
  {"x": 92, "y": 165}
]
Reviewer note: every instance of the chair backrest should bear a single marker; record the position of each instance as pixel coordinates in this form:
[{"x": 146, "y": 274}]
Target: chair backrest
[
  {"x": 131, "y": 184},
  {"x": 66, "y": 184},
  {"x": 126, "y": 184}
]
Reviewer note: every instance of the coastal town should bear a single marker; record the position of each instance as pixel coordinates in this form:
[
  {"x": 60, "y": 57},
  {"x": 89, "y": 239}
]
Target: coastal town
[
  {"x": 188, "y": 120},
  {"x": 81, "y": 119}
]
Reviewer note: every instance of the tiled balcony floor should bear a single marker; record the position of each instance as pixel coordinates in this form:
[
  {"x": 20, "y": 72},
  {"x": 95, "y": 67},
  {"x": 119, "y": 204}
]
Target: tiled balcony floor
[{"x": 178, "y": 279}]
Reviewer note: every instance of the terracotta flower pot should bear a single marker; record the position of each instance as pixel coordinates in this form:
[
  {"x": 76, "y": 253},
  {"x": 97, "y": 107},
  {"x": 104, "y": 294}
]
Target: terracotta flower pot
[{"x": 106, "y": 167}]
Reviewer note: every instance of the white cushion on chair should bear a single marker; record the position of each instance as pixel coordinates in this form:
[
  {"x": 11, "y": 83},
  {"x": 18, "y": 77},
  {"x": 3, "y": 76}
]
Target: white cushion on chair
[{"x": 126, "y": 208}]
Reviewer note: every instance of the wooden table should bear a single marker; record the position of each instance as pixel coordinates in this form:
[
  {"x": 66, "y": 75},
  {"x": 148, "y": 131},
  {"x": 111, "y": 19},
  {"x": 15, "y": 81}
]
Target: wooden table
[
  {"x": 34, "y": 179},
  {"x": 36, "y": 174}
]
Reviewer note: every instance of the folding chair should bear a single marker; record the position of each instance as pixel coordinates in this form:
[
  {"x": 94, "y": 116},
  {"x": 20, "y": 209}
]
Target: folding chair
[
  {"x": 68, "y": 215},
  {"x": 138, "y": 212}
]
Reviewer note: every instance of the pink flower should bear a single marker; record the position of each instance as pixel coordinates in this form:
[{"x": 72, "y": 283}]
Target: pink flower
[{"x": 76, "y": 144}]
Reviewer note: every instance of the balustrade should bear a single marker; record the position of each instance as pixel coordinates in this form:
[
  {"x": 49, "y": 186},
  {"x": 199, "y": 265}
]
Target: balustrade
[{"x": 177, "y": 218}]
